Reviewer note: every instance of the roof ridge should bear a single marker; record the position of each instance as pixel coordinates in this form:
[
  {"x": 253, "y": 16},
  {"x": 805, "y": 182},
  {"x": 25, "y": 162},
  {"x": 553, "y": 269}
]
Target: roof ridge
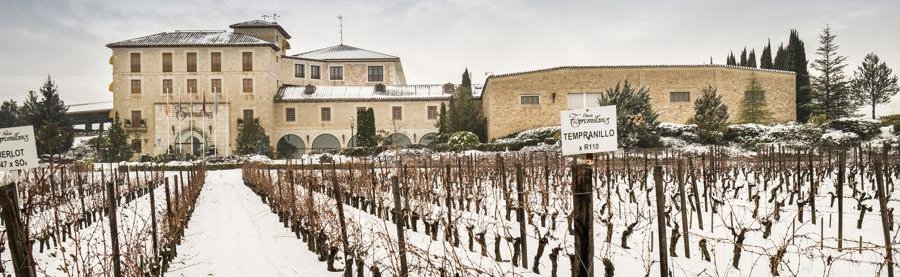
[{"x": 641, "y": 66}]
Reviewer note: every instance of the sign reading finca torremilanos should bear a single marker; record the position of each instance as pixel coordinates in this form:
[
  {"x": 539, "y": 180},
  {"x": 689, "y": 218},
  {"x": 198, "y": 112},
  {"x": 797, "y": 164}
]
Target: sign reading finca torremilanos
[
  {"x": 17, "y": 148},
  {"x": 591, "y": 130}
]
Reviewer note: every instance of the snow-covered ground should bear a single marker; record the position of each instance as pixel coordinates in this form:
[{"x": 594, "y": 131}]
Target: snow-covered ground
[{"x": 232, "y": 233}]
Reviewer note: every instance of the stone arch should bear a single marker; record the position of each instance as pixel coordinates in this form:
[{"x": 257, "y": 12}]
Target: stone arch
[
  {"x": 398, "y": 139},
  {"x": 191, "y": 142},
  {"x": 290, "y": 146},
  {"x": 427, "y": 138},
  {"x": 325, "y": 142}
]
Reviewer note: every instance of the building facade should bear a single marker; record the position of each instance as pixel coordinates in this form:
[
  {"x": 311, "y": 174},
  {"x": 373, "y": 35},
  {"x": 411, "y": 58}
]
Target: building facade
[
  {"x": 542, "y": 94},
  {"x": 190, "y": 91}
]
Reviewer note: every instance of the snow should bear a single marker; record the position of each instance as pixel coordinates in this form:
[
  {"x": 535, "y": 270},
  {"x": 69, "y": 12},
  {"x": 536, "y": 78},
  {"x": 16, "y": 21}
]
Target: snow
[{"x": 232, "y": 233}]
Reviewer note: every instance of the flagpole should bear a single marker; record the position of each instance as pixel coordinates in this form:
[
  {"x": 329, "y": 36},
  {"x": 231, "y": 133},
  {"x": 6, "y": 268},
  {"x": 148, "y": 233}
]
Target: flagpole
[
  {"x": 215, "y": 121},
  {"x": 228, "y": 125},
  {"x": 180, "y": 123},
  {"x": 168, "y": 122},
  {"x": 191, "y": 121},
  {"x": 205, "y": 127}
]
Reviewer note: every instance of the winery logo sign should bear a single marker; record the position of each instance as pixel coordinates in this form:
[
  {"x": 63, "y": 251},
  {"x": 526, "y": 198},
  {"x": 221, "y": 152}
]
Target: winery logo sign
[
  {"x": 17, "y": 148},
  {"x": 591, "y": 130}
]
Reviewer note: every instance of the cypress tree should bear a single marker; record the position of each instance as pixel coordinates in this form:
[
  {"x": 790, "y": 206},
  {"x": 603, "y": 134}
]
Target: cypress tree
[
  {"x": 751, "y": 59},
  {"x": 365, "y": 136},
  {"x": 710, "y": 115},
  {"x": 831, "y": 88},
  {"x": 795, "y": 60},
  {"x": 874, "y": 82},
  {"x": 464, "y": 113},
  {"x": 442, "y": 120},
  {"x": 778, "y": 62},
  {"x": 9, "y": 114},
  {"x": 765, "y": 60},
  {"x": 744, "y": 57},
  {"x": 753, "y": 107},
  {"x": 252, "y": 139},
  {"x": 729, "y": 60}
]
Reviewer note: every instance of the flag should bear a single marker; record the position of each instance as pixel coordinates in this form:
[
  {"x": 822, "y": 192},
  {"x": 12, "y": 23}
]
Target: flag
[
  {"x": 203, "y": 109},
  {"x": 216, "y": 103}
]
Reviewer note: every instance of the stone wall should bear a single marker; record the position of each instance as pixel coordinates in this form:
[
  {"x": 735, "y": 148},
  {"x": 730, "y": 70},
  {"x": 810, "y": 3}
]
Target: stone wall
[{"x": 506, "y": 115}]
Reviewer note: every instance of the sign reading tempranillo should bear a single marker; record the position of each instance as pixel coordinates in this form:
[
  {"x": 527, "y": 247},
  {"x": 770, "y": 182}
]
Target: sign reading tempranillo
[
  {"x": 591, "y": 130},
  {"x": 17, "y": 148}
]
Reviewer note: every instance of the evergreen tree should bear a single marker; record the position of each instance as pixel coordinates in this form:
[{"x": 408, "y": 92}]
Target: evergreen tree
[
  {"x": 753, "y": 106},
  {"x": 795, "y": 60},
  {"x": 9, "y": 114},
  {"x": 442, "y": 120},
  {"x": 365, "y": 135},
  {"x": 47, "y": 113},
  {"x": 778, "y": 62},
  {"x": 252, "y": 139},
  {"x": 744, "y": 57},
  {"x": 730, "y": 59},
  {"x": 637, "y": 122},
  {"x": 751, "y": 59},
  {"x": 874, "y": 82},
  {"x": 710, "y": 115},
  {"x": 765, "y": 60},
  {"x": 830, "y": 87},
  {"x": 464, "y": 113},
  {"x": 115, "y": 147}
]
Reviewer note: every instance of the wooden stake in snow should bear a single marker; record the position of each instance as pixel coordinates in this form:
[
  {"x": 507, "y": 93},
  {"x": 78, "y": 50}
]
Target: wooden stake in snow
[
  {"x": 661, "y": 221},
  {"x": 840, "y": 198},
  {"x": 684, "y": 212},
  {"x": 340, "y": 210},
  {"x": 885, "y": 214},
  {"x": 23, "y": 262},
  {"x": 113, "y": 228},
  {"x": 401, "y": 240},
  {"x": 583, "y": 221},
  {"x": 520, "y": 215}
]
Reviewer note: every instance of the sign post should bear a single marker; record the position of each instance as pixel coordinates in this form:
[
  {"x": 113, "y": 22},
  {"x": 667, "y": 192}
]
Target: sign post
[
  {"x": 17, "y": 152},
  {"x": 586, "y": 131}
]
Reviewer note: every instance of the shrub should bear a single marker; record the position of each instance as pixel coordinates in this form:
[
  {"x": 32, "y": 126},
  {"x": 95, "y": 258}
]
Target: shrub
[
  {"x": 685, "y": 132},
  {"x": 890, "y": 120},
  {"x": 463, "y": 140},
  {"x": 363, "y": 151},
  {"x": 897, "y": 129},
  {"x": 866, "y": 129},
  {"x": 817, "y": 120},
  {"x": 540, "y": 134},
  {"x": 839, "y": 138},
  {"x": 747, "y": 133}
]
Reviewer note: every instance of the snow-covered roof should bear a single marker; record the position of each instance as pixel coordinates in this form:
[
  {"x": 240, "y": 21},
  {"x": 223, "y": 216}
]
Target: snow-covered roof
[
  {"x": 259, "y": 23},
  {"x": 365, "y": 93},
  {"x": 193, "y": 38},
  {"x": 642, "y": 67},
  {"x": 91, "y": 107},
  {"x": 344, "y": 52}
]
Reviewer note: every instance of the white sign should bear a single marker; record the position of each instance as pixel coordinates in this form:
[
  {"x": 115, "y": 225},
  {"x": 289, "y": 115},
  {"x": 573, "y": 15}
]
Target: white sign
[
  {"x": 591, "y": 130},
  {"x": 17, "y": 148}
]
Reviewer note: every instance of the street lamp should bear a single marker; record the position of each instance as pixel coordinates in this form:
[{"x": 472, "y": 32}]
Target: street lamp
[{"x": 352, "y": 124}]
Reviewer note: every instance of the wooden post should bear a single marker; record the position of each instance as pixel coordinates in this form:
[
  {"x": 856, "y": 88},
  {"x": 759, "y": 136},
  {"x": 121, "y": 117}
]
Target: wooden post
[
  {"x": 685, "y": 225},
  {"x": 401, "y": 239},
  {"x": 153, "y": 222},
  {"x": 520, "y": 215},
  {"x": 690, "y": 166},
  {"x": 842, "y": 160},
  {"x": 20, "y": 249},
  {"x": 583, "y": 221},
  {"x": 340, "y": 209},
  {"x": 661, "y": 221},
  {"x": 885, "y": 216},
  {"x": 113, "y": 228}
]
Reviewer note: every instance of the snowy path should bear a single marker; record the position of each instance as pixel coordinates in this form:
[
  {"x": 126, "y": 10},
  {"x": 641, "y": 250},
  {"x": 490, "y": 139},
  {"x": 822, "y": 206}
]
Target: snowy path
[{"x": 232, "y": 233}]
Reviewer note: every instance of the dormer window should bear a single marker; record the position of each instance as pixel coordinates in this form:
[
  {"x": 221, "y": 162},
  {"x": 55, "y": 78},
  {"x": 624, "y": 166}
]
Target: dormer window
[
  {"x": 336, "y": 73},
  {"x": 376, "y": 73}
]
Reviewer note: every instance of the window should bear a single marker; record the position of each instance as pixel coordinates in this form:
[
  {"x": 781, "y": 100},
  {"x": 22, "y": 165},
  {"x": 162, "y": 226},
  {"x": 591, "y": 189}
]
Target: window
[
  {"x": 529, "y": 100},
  {"x": 191, "y": 62},
  {"x": 396, "y": 113},
  {"x": 135, "y": 119},
  {"x": 247, "y": 58},
  {"x": 299, "y": 70},
  {"x": 192, "y": 85},
  {"x": 584, "y": 100},
  {"x": 167, "y": 86},
  {"x": 679, "y": 96},
  {"x": 136, "y": 86},
  {"x": 315, "y": 72},
  {"x": 135, "y": 62},
  {"x": 290, "y": 115},
  {"x": 166, "y": 62},
  {"x": 432, "y": 112},
  {"x": 136, "y": 145},
  {"x": 759, "y": 96},
  {"x": 336, "y": 73},
  {"x": 326, "y": 113},
  {"x": 215, "y": 62},
  {"x": 376, "y": 73},
  {"x": 247, "y": 85},
  {"x": 215, "y": 85},
  {"x": 248, "y": 115}
]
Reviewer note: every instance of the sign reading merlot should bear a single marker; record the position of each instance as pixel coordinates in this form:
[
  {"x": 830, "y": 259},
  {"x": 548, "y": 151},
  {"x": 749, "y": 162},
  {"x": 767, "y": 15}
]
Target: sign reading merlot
[
  {"x": 591, "y": 130},
  {"x": 17, "y": 148}
]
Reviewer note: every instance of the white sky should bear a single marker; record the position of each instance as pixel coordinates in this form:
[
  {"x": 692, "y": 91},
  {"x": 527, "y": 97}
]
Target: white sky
[{"x": 437, "y": 40}]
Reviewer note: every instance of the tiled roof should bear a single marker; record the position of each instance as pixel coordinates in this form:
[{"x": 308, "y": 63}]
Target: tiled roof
[
  {"x": 193, "y": 38},
  {"x": 258, "y": 23},
  {"x": 344, "y": 52},
  {"x": 364, "y": 93}
]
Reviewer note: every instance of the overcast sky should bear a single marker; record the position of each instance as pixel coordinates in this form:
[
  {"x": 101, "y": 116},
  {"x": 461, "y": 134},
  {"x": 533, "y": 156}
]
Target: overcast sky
[{"x": 436, "y": 40}]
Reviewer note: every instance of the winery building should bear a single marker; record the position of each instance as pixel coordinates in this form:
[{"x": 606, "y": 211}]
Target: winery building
[{"x": 525, "y": 100}]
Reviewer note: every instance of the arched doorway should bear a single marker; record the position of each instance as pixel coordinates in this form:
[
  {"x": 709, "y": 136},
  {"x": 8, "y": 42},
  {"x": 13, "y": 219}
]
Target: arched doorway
[
  {"x": 190, "y": 142},
  {"x": 427, "y": 138},
  {"x": 290, "y": 146},
  {"x": 352, "y": 142},
  {"x": 398, "y": 139},
  {"x": 324, "y": 143}
]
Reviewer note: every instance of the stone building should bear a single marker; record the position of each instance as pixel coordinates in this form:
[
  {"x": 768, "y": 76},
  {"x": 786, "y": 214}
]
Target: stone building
[
  {"x": 190, "y": 91},
  {"x": 519, "y": 101}
]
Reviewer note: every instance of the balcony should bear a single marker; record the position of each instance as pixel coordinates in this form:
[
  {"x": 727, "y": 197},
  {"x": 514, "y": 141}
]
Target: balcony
[{"x": 139, "y": 126}]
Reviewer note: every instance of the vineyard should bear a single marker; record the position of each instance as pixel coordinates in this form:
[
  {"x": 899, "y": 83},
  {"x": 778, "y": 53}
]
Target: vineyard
[{"x": 779, "y": 212}]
